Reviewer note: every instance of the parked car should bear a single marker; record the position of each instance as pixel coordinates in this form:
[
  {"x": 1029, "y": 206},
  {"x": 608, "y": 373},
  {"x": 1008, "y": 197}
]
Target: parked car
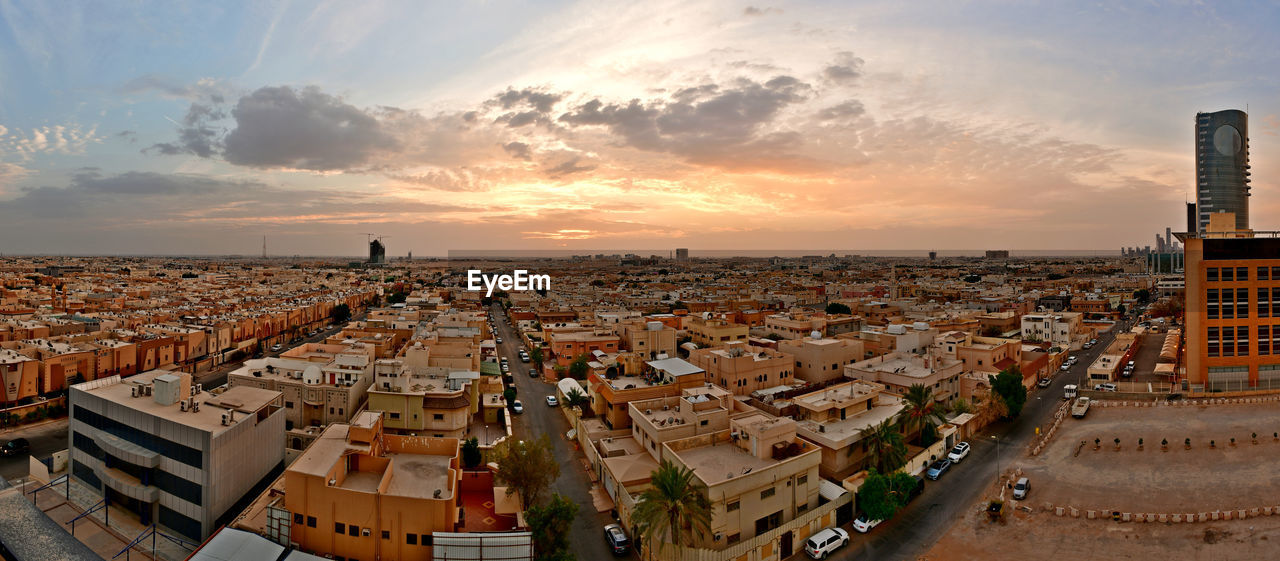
[
  {"x": 936, "y": 469},
  {"x": 1066, "y": 366},
  {"x": 617, "y": 539},
  {"x": 498, "y": 340},
  {"x": 958, "y": 452},
  {"x": 1088, "y": 345},
  {"x": 1072, "y": 359},
  {"x": 915, "y": 491},
  {"x": 533, "y": 373},
  {"x": 517, "y": 407},
  {"x": 1104, "y": 387},
  {"x": 1044, "y": 382},
  {"x": 1020, "y": 488},
  {"x": 552, "y": 401},
  {"x": 15, "y": 447},
  {"x": 863, "y": 524},
  {"x": 821, "y": 544},
  {"x": 276, "y": 347},
  {"x": 1093, "y": 341}
]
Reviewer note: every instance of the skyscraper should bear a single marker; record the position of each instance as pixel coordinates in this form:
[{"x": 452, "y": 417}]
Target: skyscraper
[{"x": 1222, "y": 166}]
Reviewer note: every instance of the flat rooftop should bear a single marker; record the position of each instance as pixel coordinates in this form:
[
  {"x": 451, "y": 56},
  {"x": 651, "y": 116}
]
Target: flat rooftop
[
  {"x": 242, "y": 399},
  {"x": 724, "y": 461},
  {"x": 838, "y": 396}
]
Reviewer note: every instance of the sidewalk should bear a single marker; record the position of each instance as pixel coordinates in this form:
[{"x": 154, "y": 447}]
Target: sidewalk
[{"x": 31, "y": 426}]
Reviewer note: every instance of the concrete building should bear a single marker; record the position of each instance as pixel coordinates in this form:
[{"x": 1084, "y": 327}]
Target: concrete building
[
  {"x": 648, "y": 339},
  {"x": 758, "y": 474},
  {"x": 820, "y": 360},
  {"x": 743, "y": 368},
  {"x": 610, "y": 396},
  {"x": 1059, "y": 328},
  {"x": 417, "y": 397},
  {"x": 20, "y": 375},
  {"x": 181, "y": 459},
  {"x": 314, "y": 394},
  {"x": 357, "y": 493},
  {"x": 1222, "y": 166},
  {"x": 837, "y": 417},
  {"x": 1232, "y": 306},
  {"x": 899, "y": 371},
  {"x": 708, "y": 331}
]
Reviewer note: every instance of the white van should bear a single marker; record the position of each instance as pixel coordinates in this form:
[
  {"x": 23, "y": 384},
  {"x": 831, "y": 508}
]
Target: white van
[
  {"x": 821, "y": 544},
  {"x": 1069, "y": 391}
]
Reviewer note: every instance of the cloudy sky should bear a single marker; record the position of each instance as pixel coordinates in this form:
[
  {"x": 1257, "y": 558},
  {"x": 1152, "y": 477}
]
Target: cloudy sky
[{"x": 198, "y": 128}]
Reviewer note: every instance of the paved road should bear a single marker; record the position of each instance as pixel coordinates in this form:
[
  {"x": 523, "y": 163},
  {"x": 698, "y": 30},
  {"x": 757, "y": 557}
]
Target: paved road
[
  {"x": 923, "y": 522},
  {"x": 45, "y": 438},
  {"x": 587, "y": 542}
]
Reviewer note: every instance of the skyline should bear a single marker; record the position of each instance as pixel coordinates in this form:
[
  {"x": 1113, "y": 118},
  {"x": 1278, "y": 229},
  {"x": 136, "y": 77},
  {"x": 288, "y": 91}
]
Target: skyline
[{"x": 195, "y": 130}]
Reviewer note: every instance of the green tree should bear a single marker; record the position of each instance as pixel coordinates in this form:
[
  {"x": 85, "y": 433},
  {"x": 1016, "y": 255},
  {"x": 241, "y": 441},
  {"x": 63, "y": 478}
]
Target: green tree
[
  {"x": 510, "y": 395},
  {"x": 674, "y": 505},
  {"x": 340, "y": 313},
  {"x": 550, "y": 525},
  {"x": 991, "y": 331},
  {"x": 922, "y": 413},
  {"x": 881, "y": 496},
  {"x": 535, "y": 355},
  {"x": 961, "y": 406},
  {"x": 1008, "y": 385},
  {"x": 578, "y": 368},
  {"x": 471, "y": 456},
  {"x": 886, "y": 447},
  {"x": 773, "y": 337},
  {"x": 575, "y": 398},
  {"x": 1142, "y": 295},
  {"x": 838, "y": 308},
  {"x": 527, "y": 466}
]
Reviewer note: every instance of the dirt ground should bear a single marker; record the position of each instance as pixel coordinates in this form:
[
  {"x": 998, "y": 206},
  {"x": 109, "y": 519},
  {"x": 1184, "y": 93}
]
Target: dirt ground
[
  {"x": 1044, "y": 536},
  {"x": 1201, "y": 479}
]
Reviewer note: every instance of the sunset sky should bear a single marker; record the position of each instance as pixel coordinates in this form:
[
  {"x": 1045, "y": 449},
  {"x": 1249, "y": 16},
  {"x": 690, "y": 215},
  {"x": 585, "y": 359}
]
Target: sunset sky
[{"x": 198, "y": 128}]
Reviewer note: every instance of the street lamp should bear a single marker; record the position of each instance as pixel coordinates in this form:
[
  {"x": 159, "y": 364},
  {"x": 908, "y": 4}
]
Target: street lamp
[{"x": 997, "y": 439}]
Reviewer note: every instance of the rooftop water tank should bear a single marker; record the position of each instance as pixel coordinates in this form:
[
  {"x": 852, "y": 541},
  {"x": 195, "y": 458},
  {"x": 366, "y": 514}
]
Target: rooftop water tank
[{"x": 312, "y": 375}]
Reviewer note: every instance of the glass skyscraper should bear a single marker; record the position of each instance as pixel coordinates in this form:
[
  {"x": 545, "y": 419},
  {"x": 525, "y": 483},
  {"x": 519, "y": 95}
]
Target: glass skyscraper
[{"x": 1222, "y": 166}]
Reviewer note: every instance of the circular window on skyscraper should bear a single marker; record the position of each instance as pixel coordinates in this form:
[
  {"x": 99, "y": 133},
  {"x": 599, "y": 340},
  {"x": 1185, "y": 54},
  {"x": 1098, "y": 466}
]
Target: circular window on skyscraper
[{"x": 1227, "y": 140}]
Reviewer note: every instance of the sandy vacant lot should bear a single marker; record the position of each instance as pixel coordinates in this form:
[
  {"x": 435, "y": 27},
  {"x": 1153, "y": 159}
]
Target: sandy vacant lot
[{"x": 1197, "y": 480}]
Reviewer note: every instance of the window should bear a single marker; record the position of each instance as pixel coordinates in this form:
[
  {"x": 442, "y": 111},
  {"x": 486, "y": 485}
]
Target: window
[
  {"x": 288, "y": 405},
  {"x": 330, "y": 410},
  {"x": 1242, "y": 340},
  {"x": 1228, "y": 303},
  {"x": 353, "y": 530},
  {"x": 339, "y": 528},
  {"x": 438, "y": 416},
  {"x": 1214, "y": 342},
  {"x": 393, "y": 415},
  {"x": 426, "y": 539},
  {"x": 802, "y": 479},
  {"x": 1242, "y": 273},
  {"x": 1264, "y": 340},
  {"x": 732, "y": 506},
  {"x": 1211, "y": 274},
  {"x": 1263, "y": 273},
  {"x": 767, "y": 493},
  {"x": 411, "y": 539},
  {"x": 1242, "y": 303},
  {"x": 734, "y": 538},
  {"x": 768, "y": 522},
  {"x": 802, "y": 508},
  {"x": 1228, "y": 274},
  {"x": 704, "y": 422},
  {"x": 298, "y": 518},
  {"x": 311, "y": 522},
  {"x": 1264, "y": 302},
  {"x": 1229, "y": 341},
  {"x": 386, "y": 534},
  {"x": 1212, "y": 303}
]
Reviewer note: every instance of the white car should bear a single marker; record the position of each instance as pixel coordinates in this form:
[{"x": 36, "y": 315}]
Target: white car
[
  {"x": 517, "y": 407},
  {"x": 552, "y": 401},
  {"x": 959, "y": 452},
  {"x": 498, "y": 340},
  {"x": 1020, "y": 488},
  {"x": 863, "y": 525},
  {"x": 1104, "y": 387},
  {"x": 823, "y": 543}
]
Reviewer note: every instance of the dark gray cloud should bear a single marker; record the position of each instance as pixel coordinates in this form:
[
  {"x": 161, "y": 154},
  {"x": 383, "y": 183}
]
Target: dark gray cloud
[
  {"x": 568, "y": 167},
  {"x": 539, "y": 100},
  {"x": 304, "y": 129},
  {"x": 131, "y": 136},
  {"x": 197, "y": 135},
  {"x": 518, "y": 150},
  {"x": 708, "y": 123},
  {"x": 847, "y": 68},
  {"x": 845, "y": 110}
]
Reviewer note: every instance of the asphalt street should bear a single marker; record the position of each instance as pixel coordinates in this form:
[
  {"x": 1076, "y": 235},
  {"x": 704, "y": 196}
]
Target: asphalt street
[
  {"x": 915, "y": 529},
  {"x": 587, "y": 541}
]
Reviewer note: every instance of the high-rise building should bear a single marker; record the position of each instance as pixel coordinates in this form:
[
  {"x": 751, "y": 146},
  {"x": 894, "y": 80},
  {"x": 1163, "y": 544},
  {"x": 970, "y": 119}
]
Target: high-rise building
[
  {"x": 1222, "y": 166},
  {"x": 682, "y": 254},
  {"x": 377, "y": 252}
]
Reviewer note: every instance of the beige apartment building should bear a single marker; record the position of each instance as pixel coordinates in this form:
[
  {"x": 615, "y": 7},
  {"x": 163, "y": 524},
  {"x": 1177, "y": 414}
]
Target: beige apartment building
[
  {"x": 648, "y": 339},
  {"x": 758, "y": 474},
  {"x": 314, "y": 394},
  {"x": 418, "y": 397},
  {"x": 714, "y": 331},
  {"x": 822, "y": 360},
  {"x": 743, "y": 368},
  {"x": 837, "y": 418},
  {"x": 899, "y": 371}
]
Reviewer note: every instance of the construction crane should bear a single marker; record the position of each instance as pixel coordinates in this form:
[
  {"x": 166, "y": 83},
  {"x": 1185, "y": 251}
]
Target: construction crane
[{"x": 370, "y": 237}]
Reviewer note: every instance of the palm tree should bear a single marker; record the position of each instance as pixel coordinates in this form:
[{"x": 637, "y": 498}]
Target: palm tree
[
  {"x": 921, "y": 411},
  {"x": 575, "y": 398},
  {"x": 886, "y": 447},
  {"x": 675, "y": 500}
]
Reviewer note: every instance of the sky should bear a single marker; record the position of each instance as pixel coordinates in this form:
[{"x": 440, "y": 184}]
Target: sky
[{"x": 201, "y": 127}]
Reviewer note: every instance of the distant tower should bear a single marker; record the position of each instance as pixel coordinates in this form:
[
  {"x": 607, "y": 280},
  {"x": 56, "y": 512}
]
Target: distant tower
[
  {"x": 933, "y": 256},
  {"x": 264, "y": 247},
  {"x": 1222, "y": 166},
  {"x": 682, "y": 254},
  {"x": 410, "y": 256},
  {"x": 1191, "y": 218},
  {"x": 377, "y": 252}
]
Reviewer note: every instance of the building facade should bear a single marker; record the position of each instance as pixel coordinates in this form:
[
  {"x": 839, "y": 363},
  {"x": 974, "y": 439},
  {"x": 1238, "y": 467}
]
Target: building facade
[{"x": 1222, "y": 166}]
